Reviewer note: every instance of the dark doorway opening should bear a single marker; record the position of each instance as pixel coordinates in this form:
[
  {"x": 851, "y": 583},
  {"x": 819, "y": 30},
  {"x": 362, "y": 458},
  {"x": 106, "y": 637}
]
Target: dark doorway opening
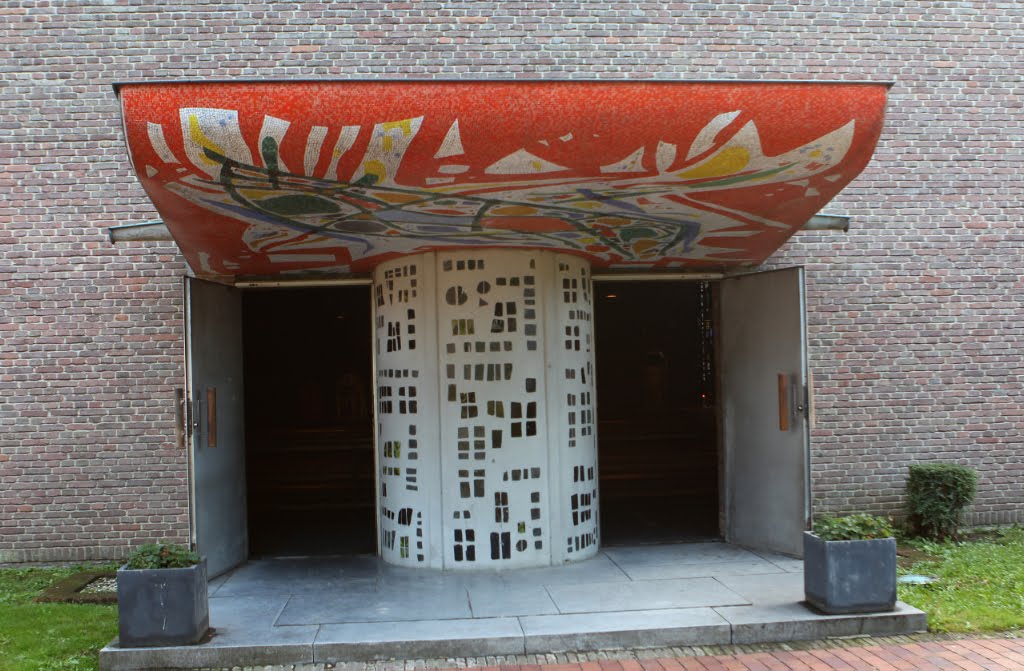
[
  {"x": 657, "y": 428},
  {"x": 309, "y": 421}
]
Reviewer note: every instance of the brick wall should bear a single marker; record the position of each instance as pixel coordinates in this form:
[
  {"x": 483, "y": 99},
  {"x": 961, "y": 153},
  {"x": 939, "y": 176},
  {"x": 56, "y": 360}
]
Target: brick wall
[{"x": 915, "y": 316}]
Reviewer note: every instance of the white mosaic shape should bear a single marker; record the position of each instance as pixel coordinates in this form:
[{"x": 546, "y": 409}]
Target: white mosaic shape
[
  {"x": 705, "y": 139},
  {"x": 451, "y": 145},
  {"x": 743, "y": 152},
  {"x": 632, "y": 163},
  {"x": 206, "y": 129},
  {"x": 664, "y": 156},
  {"x": 346, "y": 138},
  {"x": 388, "y": 144},
  {"x": 522, "y": 162},
  {"x": 314, "y": 143},
  {"x": 159, "y": 143}
]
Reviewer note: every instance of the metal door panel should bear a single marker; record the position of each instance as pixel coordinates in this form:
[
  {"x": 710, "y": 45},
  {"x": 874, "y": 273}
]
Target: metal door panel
[
  {"x": 216, "y": 423},
  {"x": 765, "y": 432}
]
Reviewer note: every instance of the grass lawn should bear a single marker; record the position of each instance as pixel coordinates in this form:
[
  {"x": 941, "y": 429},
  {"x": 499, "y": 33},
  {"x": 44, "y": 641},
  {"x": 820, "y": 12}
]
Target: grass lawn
[
  {"x": 980, "y": 586},
  {"x": 49, "y": 636}
]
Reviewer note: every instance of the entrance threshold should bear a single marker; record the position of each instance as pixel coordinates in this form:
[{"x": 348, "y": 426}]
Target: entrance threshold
[{"x": 332, "y": 609}]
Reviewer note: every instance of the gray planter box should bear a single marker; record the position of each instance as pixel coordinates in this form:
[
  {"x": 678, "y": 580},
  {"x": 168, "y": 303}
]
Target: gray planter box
[
  {"x": 159, "y": 607},
  {"x": 850, "y": 576}
]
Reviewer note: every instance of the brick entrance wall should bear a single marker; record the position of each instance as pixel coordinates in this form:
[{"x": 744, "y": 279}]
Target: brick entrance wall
[{"x": 916, "y": 315}]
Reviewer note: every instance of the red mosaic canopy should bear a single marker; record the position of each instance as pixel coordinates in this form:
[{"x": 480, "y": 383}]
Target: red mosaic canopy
[{"x": 263, "y": 179}]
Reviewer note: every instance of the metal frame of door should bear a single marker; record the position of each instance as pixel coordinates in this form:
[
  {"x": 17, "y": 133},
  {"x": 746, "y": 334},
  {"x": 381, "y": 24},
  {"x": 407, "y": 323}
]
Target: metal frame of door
[
  {"x": 185, "y": 414},
  {"x": 766, "y": 419},
  {"x": 800, "y": 393},
  {"x": 189, "y": 414},
  {"x": 214, "y": 416}
]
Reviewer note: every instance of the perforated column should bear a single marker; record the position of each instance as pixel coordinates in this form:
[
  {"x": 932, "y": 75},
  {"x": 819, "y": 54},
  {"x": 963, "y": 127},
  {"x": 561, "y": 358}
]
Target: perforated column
[
  {"x": 408, "y": 460},
  {"x": 509, "y": 426},
  {"x": 572, "y": 406}
]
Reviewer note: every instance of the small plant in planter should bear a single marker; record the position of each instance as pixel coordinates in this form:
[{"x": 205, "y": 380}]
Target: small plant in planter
[
  {"x": 850, "y": 565},
  {"x": 161, "y": 597}
]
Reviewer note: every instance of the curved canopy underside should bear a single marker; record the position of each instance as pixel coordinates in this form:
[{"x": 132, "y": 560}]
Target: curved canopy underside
[{"x": 258, "y": 179}]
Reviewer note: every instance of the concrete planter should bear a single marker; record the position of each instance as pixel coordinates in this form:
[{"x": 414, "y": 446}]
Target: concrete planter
[
  {"x": 160, "y": 607},
  {"x": 850, "y": 576}
]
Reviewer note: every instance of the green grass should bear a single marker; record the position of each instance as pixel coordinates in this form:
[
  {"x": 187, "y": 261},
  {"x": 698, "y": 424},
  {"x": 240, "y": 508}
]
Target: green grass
[
  {"x": 49, "y": 636},
  {"x": 980, "y": 586}
]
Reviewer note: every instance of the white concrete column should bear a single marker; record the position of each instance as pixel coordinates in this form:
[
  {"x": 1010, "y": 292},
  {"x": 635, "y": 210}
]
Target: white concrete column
[{"x": 487, "y": 453}]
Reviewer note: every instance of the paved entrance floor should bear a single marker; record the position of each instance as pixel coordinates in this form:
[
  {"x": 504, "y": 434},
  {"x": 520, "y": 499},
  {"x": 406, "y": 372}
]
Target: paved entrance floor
[{"x": 306, "y": 610}]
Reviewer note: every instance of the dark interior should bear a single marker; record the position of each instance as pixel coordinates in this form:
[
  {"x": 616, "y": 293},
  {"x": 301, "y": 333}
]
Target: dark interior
[
  {"x": 309, "y": 421},
  {"x": 657, "y": 431}
]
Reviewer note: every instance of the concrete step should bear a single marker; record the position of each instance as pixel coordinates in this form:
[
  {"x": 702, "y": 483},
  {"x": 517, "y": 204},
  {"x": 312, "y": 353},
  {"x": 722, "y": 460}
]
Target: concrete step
[{"x": 238, "y": 646}]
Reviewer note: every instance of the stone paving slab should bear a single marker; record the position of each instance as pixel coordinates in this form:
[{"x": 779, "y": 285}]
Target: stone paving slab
[
  {"x": 676, "y": 553},
  {"x": 597, "y": 569},
  {"x": 507, "y": 600},
  {"x": 704, "y": 570},
  {"x": 241, "y": 614},
  {"x": 797, "y": 622},
  {"x": 432, "y": 638},
  {"x": 113, "y": 658},
  {"x": 762, "y": 590},
  {"x": 643, "y": 595},
  {"x": 789, "y": 564},
  {"x": 596, "y": 631},
  {"x": 215, "y": 584},
  {"x": 390, "y": 604}
]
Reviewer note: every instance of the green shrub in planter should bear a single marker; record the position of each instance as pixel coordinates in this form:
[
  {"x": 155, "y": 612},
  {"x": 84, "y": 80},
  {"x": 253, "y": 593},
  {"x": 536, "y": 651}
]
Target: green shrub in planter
[
  {"x": 936, "y": 496},
  {"x": 850, "y": 565},
  {"x": 162, "y": 555},
  {"x": 853, "y": 528},
  {"x": 162, "y": 597}
]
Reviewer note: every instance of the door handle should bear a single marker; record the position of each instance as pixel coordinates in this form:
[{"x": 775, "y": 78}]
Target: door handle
[
  {"x": 792, "y": 397},
  {"x": 180, "y": 425},
  {"x": 196, "y": 423},
  {"x": 211, "y": 416},
  {"x": 783, "y": 381}
]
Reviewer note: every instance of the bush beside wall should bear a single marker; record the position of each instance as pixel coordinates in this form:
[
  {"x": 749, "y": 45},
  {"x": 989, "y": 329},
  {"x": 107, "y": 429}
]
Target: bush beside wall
[{"x": 936, "y": 497}]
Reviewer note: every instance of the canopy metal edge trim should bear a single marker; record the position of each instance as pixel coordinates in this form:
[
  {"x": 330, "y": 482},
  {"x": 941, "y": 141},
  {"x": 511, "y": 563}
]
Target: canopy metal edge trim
[
  {"x": 117, "y": 86},
  {"x": 156, "y": 231}
]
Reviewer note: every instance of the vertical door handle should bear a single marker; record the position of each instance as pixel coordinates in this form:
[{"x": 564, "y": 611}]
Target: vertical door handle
[
  {"x": 180, "y": 427},
  {"x": 783, "y": 402},
  {"x": 196, "y": 424},
  {"x": 211, "y": 416}
]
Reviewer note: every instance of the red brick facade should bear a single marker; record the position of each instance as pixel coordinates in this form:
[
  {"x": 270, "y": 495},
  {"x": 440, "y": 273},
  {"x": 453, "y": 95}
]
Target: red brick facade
[{"x": 915, "y": 315}]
